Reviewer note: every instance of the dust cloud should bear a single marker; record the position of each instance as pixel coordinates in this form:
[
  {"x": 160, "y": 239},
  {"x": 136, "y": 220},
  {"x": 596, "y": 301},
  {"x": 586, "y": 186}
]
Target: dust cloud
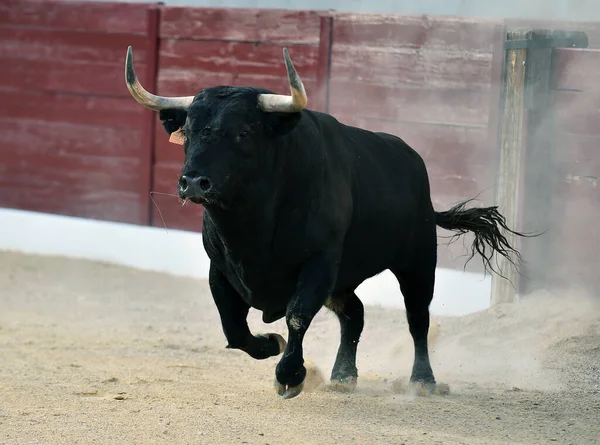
[
  {"x": 546, "y": 341},
  {"x": 526, "y": 345}
]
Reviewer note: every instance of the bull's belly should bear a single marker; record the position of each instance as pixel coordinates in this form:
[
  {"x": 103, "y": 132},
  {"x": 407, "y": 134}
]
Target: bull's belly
[
  {"x": 371, "y": 249},
  {"x": 355, "y": 270},
  {"x": 265, "y": 289},
  {"x": 269, "y": 288}
]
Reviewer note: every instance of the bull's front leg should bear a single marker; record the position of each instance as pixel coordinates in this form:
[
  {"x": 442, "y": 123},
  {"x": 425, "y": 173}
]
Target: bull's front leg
[
  {"x": 234, "y": 313},
  {"x": 315, "y": 284}
]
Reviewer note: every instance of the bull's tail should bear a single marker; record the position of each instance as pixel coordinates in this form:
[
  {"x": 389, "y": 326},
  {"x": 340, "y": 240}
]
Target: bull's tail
[{"x": 487, "y": 224}]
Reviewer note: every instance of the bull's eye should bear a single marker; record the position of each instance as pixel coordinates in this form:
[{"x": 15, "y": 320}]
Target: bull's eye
[
  {"x": 205, "y": 132},
  {"x": 244, "y": 134}
]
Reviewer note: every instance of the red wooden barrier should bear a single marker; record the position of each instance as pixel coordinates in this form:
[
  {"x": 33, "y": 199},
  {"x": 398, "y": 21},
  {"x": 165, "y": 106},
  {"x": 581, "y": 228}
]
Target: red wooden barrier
[
  {"x": 203, "y": 47},
  {"x": 73, "y": 141}
]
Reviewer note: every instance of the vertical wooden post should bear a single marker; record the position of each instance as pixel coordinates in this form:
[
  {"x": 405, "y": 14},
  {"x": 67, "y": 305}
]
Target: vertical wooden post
[
  {"x": 151, "y": 116},
  {"x": 524, "y": 179},
  {"x": 510, "y": 157},
  {"x": 496, "y": 81},
  {"x": 541, "y": 176},
  {"x": 324, "y": 68}
]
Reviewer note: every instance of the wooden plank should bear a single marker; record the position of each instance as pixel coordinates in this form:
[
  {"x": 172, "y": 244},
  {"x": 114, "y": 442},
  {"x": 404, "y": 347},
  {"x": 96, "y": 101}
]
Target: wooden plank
[
  {"x": 240, "y": 24},
  {"x": 496, "y": 87},
  {"x": 106, "y": 205},
  {"x": 397, "y": 65},
  {"x": 449, "y": 186},
  {"x": 106, "y": 17},
  {"x": 61, "y": 75},
  {"x": 509, "y": 165},
  {"x": 239, "y": 58},
  {"x": 188, "y": 66},
  {"x": 45, "y": 138},
  {"x": 410, "y": 104},
  {"x": 167, "y": 210},
  {"x": 69, "y": 46},
  {"x": 96, "y": 187},
  {"x": 572, "y": 68},
  {"x": 72, "y": 184},
  {"x": 148, "y": 143},
  {"x": 67, "y": 61},
  {"x": 461, "y": 144},
  {"x": 577, "y": 112},
  {"x": 70, "y": 171},
  {"x": 423, "y": 31},
  {"x": 321, "y": 101},
  {"x": 177, "y": 82},
  {"x": 188, "y": 82},
  {"x": 87, "y": 110}
]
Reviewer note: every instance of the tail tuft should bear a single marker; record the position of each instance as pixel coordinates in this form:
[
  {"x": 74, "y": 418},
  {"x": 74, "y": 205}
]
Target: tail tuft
[{"x": 488, "y": 226}]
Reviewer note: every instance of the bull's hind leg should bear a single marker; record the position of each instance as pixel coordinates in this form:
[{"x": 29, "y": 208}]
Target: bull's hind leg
[
  {"x": 417, "y": 285},
  {"x": 350, "y": 312}
]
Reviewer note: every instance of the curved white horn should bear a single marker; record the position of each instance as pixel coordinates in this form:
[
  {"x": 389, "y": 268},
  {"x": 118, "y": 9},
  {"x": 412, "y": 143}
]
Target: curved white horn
[
  {"x": 271, "y": 103},
  {"x": 147, "y": 99}
]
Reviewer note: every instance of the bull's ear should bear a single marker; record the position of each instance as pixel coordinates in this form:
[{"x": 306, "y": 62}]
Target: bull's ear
[
  {"x": 177, "y": 137},
  {"x": 172, "y": 120}
]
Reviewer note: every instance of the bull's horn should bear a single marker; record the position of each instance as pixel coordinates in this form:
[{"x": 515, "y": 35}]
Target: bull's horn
[
  {"x": 147, "y": 99},
  {"x": 286, "y": 104}
]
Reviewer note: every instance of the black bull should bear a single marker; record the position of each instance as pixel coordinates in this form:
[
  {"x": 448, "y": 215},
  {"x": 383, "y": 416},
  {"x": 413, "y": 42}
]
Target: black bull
[{"x": 300, "y": 209}]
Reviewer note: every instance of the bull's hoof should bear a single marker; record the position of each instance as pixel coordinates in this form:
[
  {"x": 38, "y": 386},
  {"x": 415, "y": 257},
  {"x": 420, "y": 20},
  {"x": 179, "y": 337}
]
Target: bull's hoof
[
  {"x": 346, "y": 384},
  {"x": 420, "y": 388},
  {"x": 288, "y": 392}
]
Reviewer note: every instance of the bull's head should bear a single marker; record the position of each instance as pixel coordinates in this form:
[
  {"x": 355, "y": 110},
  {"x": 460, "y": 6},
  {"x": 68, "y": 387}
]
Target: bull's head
[{"x": 228, "y": 133}]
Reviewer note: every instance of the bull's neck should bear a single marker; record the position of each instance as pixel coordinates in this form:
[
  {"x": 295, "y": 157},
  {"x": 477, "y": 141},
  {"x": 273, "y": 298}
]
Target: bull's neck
[
  {"x": 282, "y": 187},
  {"x": 251, "y": 217}
]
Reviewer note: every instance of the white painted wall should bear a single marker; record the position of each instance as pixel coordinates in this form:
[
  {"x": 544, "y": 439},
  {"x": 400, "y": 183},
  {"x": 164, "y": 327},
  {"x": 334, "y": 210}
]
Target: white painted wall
[{"x": 181, "y": 253}]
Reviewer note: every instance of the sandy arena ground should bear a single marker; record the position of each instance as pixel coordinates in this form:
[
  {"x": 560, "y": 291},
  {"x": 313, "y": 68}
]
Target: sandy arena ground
[{"x": 91, "y": 353}]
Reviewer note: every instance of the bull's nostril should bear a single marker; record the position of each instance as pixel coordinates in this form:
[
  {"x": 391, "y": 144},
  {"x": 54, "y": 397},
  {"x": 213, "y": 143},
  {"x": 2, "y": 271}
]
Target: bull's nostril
[
  {"x": 183, "y": 183},
  {"x": 204, "y": 184}
]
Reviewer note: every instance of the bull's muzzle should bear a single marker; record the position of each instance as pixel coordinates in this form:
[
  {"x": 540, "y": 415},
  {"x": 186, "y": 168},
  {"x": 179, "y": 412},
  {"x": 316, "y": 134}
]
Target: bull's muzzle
[{"x": 195, "y": 188}]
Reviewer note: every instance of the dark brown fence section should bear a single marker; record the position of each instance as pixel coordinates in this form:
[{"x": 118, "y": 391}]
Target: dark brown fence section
[
  {"x": 202, "y": 47},
  {"x": 73, "y": 142}
]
